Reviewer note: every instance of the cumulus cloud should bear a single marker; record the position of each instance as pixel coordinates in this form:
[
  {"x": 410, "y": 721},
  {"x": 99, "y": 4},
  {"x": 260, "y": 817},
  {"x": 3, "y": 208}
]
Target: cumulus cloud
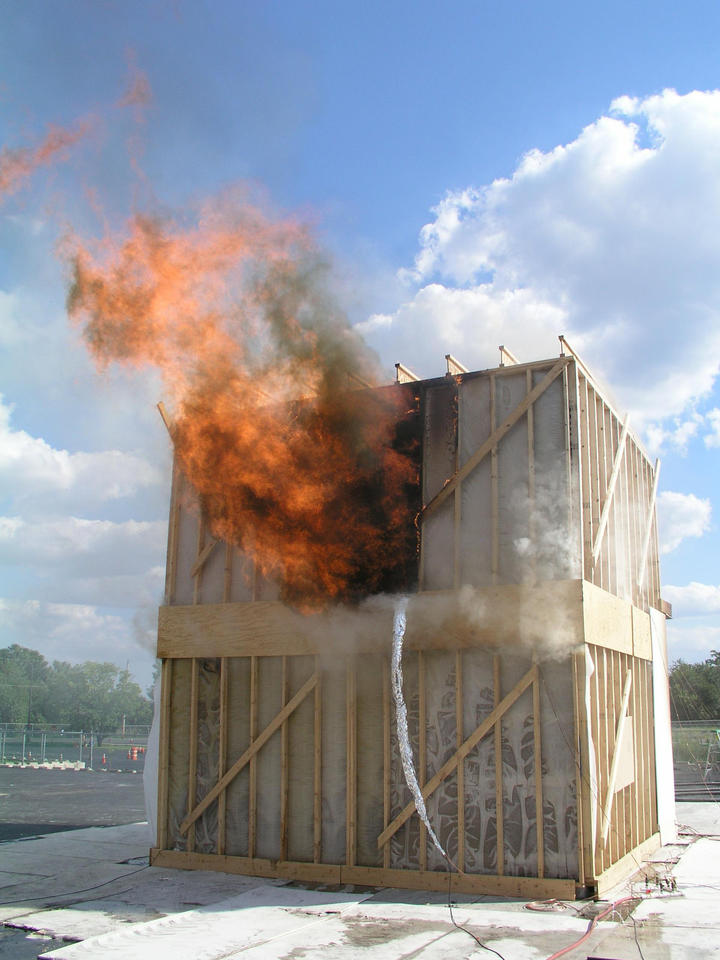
[
  {"x": 75, "y": 633},
  {"x": 681, "y": 515},
  {"x": 692, "y": 644},
  {"x": 695, "y": 599},
  {"x": 32, "y": 469},
  {"x": 611, "y": 239},
  {"x": 89, "y": 561},
  {"x": 712, "y": 437}
]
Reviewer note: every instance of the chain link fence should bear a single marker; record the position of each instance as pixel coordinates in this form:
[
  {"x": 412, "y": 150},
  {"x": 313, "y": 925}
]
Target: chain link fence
[{"x": 51, "y": 745}]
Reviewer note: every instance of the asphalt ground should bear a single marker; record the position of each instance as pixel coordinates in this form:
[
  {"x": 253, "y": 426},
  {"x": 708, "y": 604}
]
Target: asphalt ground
[{"x": 34, "y": 802}]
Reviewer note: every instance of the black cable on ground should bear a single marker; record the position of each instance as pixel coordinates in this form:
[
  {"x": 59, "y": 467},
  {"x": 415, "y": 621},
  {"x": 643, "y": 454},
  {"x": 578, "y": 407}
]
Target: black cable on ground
[
  {"x": 465, "y": 929},
  {"x": 71, "y": 893}
]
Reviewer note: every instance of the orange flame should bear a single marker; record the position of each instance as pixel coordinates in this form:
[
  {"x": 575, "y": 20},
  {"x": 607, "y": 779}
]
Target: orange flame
[
  {"x": 289, "y": 462},
  {"x": 17, "y": 165}
]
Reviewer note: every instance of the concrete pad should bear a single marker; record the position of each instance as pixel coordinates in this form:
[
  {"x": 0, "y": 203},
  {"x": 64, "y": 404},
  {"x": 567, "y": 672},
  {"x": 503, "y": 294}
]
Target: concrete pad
[
  {"x": 703, "y": 818},
  {"x": 476, "y": 915},
  {"x": 13, "y": 884},
  {"x": 215, "y": 931},
  {"x": 71, "y": 881},
  {"x": 155, "y": 912},
  {"x": 171, "y": 891},
  {"x": 58, "y": 845}
]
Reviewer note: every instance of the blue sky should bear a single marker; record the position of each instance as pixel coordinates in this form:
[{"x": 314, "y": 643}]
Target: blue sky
[{"x": 478, "y": 172}]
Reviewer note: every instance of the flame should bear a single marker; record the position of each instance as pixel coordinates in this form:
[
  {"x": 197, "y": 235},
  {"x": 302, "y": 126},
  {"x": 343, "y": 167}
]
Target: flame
[
  {"x": 290, "y": 463},
  {"x": 18, "y": 164}
]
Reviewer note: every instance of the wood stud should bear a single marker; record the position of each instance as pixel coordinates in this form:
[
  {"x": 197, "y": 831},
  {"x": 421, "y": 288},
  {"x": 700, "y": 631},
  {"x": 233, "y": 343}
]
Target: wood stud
[
  {"x": 387, "y": 756},
  {"x": 252, "y": 776},
  {"x": 317, "y": 766},
  {"x": 284, "y": 764},
  {"x": 499, "y": 810},
  {"x": 422, "y": 750},
  {"x": 222, "y": 753},
  {"x": 193, "y": 749},
  {"x": 351, "y": 766},
  {"x": 537, "y": 751},
  {"x": 459, "y": 725}
]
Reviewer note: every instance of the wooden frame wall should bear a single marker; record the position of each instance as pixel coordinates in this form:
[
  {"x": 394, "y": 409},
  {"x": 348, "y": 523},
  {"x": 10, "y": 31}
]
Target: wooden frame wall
[
  {"x": 618, "y": 825},
  {"x": 315, "y": 868},
  {"x": 619, "y": 483},
  {"x": 618, "y": 646},
  {"x": 611, "y": 488}
]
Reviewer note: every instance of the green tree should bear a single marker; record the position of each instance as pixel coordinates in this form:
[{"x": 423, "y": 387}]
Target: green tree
[
  {"x": 695, "y": 689},
  {"x": 23, "y": 684},
  {"x": 86, "y": 696},
  {"x": 95, "y": 696}
]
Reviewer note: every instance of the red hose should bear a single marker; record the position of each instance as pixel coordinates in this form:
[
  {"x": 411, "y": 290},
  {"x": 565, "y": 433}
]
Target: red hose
[{"x": 591, "y": 927}]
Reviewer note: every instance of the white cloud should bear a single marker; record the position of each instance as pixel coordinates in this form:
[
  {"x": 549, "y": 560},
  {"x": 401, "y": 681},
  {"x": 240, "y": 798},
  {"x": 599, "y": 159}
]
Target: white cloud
[
  {"x": 692, "y": 644},
  {"x": 31, "y": 469},
  {"x": 681, "y": 515},
  {"x": 695, "y": 599},
  {"x": 88, "y": 561},
  {"x": 611, "y": 239},
  {"x": 712, "y": 439},
  {"x": 75, "y": 633}
]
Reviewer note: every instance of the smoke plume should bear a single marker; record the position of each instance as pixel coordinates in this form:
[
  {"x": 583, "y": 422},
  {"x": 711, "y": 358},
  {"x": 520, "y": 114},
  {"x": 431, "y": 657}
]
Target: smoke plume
[
  {"x": 18, "y": 164},
  {"x": 293, "y": 458}
]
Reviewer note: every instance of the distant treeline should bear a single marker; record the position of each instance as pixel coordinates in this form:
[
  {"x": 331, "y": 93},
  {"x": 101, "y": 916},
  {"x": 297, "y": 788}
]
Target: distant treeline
[
  {"x": 695, "y": 689},
  {"x": 84, "y": 696}
]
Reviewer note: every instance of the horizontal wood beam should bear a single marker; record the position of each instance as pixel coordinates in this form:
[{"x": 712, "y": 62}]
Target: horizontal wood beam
[
  {"x": 462, "y": 751},
  {"x": 437, "y": 620},
  {"x": 495, "y": 437},
  {"x": 528, "y": 888},
  {"x": 256, "y": 745}
]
